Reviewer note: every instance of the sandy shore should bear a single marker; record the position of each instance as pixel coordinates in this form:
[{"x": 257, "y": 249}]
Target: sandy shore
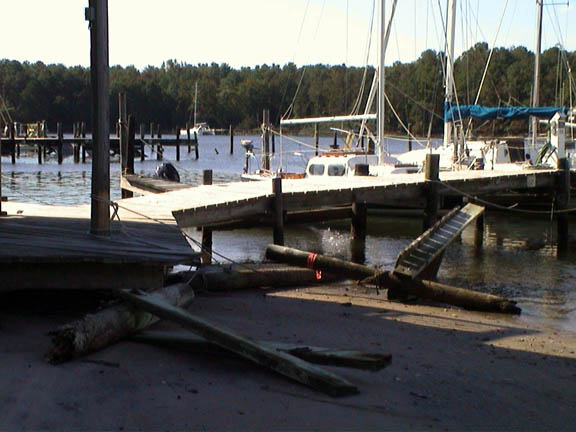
[{"x": 451, "y": 370}]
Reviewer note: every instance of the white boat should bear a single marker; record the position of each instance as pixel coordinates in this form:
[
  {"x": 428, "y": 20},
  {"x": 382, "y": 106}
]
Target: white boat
[{"x": 197, "y": 128}]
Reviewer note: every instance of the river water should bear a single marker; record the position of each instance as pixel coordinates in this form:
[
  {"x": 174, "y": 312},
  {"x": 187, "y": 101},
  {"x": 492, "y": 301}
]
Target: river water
[{"x": 517, "y": 260}]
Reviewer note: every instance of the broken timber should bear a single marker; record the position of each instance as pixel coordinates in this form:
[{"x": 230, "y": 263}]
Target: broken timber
[
  {"x": 430, "y": 290},
  {"x": 327, "y": 356},
  {"x": 103, "y": 328},
  {"x": 281, "y": 362}
]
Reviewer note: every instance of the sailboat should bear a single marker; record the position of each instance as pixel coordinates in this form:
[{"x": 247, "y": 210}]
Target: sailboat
[{"x": 197, "y": 128}]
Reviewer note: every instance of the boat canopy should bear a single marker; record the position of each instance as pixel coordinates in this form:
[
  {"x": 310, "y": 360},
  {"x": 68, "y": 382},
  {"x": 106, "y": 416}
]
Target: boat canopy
[{"x": 455, "y": 112}]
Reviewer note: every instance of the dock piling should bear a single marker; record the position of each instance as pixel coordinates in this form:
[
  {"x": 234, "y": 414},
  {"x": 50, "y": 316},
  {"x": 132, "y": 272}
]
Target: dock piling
[
  {"x": 59, "y": 146},
  {"x": 562, "y": 200},
  {"x": 231, "y": 133},
  {"x": 196, "y": 151},
  {"x": 177, "y": 144},
  {"x": 316, "y": 139},
  {"x": 278, "y": 211},
  {"x": 358, "y": 224},
  {"x": 431, "y": 175},
  {"x": 206, "y": 232}
]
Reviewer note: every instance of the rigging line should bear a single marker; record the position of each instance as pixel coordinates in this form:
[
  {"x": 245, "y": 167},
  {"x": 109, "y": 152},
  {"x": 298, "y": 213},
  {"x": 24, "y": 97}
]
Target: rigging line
[
  {"x": 412, "y": 99},
  {"x": 402, "y": 123}
]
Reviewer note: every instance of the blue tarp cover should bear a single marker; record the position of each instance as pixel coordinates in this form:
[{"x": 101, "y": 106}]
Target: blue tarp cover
[{"x": 452, "y": 113}]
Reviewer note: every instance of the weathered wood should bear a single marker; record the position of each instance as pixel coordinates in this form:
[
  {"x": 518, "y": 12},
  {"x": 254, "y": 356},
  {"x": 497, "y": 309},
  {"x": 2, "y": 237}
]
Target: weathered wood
[
  {"x": 100, "y": 199},
  {"x": 465, "y": 298},
  {"x": 431, "y": 175},
  {"x": 188, "y": 137},
  {"x": 59, "y": 146},
  {"x": 278, "y": 211},
  {"x": 206, "y": 232},
  {"x": 266, "y": 140},
  {"x": 318, "y": 355},
  {"x": 12, "y": 143},
  {"x": 99, "y": 330},
  {"x": 231, "y": 133},
  {"x": 562, "y": 200},
  {"x": 177, "y": 144},
  {"x": 280, "y": 362},
  {"x": 196, "y": 150}
]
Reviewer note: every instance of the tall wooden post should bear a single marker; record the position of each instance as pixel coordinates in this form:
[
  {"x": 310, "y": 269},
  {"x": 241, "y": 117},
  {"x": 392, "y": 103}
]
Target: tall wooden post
[
  {"x": 60, "y": 133},
  {"x": 335, "y": 143},
  {"x": 206, "y": 232},
  {"x": 123, "y": 131},
  {"x": 83, "y": 135},
  {"x": 188, "y": 137},
  {"x": 159, "y": 146},
  {"x": 142, "y": 145},
  {"x": 265, "y": 140},
  {"x": 196, "y": 151},
  {"x": 431, "y": 175},
  {"x": 12, "y": 143},
  {"x": 562, "y": 200},
  {"x": 128, "y": 136},
  {"x": 316, "y": 138},
  {"x": 278, "y": 211},
  {"x": 97, "y": 14},
  {"x": 409, "y": 137},
  {"x": 273, "y": 144},
  {"x": 231, "y": 133},
  {"x": 177, "y": 143},
  {"x": 358, "y": 225}
]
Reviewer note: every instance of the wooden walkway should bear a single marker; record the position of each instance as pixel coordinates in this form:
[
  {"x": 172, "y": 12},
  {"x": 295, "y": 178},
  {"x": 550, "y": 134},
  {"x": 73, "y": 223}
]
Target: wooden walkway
[{"x": 227, "y": 202}]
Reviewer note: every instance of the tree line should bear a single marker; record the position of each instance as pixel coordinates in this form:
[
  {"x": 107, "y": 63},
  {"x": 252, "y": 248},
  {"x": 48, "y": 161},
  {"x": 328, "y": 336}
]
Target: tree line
[{"x": 165, "y": 95}]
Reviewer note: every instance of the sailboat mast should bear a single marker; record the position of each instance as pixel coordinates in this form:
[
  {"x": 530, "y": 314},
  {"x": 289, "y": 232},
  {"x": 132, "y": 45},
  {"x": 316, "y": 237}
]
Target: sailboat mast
[
  {"x": 449, "y": 83},
  {"x": 381, "y": 79},
  {"x": 195, "y": 102},
  {"x": 536, "y": 86}
]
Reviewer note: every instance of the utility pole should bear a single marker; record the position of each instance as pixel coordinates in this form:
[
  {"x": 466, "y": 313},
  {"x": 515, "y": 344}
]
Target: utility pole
[{"x": 97, "y": 16}]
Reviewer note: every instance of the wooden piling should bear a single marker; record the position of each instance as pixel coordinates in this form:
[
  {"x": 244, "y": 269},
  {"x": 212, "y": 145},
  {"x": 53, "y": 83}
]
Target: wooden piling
[
  {"x": 127, "y": 150},
  {"x": 431, "y": 175},
  {"x": 409, "y": 137},
  {"x": 142, "y": 142},
  {"x": 97, "y": 13},
  {"x": 177, "y": 143},
  {"x": 206, "y": 232},
  {"x": 479, "y": 231},
  {"x": 278, "y": 211},
  {"x": 562, "y": 200},
  {"x": 231, "y": 133},
  {"x": 316, "y": 138},
  {"x": 59, "y": 146},
  {"x": 273, "y": 144},
  {"x": 358, "y": 224},
  {"x": 123, "y": 132},
  {"x": 196, "y": 151},
  {"x": 335, "y": 141},
  {"x": 12, "y": 143},
  {"x": 2, "y": 213},
  {"x": 83, "y": 135},
  {"x": 188, "y": 137},
  {"x": 265, "y": 140}
]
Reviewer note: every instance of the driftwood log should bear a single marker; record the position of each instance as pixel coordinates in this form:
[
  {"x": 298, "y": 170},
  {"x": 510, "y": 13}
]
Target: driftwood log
[
  {"x": 465, "y": 298},
  {"x": 327, "y": 356},
  {"x": 245, "y": 278},
  {"x": 103, "y": 328},
  {"x": 285, "y": 364}
]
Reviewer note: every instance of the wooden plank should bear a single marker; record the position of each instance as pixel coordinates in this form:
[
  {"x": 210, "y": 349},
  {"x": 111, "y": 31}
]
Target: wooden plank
[
  {"x": 280, "y": 362},
  {"x": 319, "y": 355}
]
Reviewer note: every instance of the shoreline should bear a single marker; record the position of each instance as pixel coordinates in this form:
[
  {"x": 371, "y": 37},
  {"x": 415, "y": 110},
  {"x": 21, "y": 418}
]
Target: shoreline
[{"x": 451, "y": 369}]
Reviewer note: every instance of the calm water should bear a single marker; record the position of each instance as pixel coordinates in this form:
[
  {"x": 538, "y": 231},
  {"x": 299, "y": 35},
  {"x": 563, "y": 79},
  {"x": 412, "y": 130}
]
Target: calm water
[{"x": 518, "y": 258}]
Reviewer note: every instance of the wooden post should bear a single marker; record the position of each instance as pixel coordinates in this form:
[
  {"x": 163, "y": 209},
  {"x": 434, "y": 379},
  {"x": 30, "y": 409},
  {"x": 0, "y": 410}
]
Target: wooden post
[
  {"x": 479, "y": 231},
  {"x": 12, "y": 143},
  {"x": 177, "y": 143},
  {"x": 123, "y": 132},
  {"x": 316, "y": 138},
  {"x": 40, "y": 153},
  {"x": 409, "y": 137},
  {"x": 60, "y": 133},
  {"x": 188, "y": 141},
  {"x": 83, "y": 135},
  {"x": 358, "y": 233},
  {"x": 231, "y": 133},
  {"x": 273, "y": 144},
  {"x": 562, "y": 200},
  {"x": 127, "y": 157},
  {"x": 97, "y": 14},
  {"x": 278, "y": 211},
  {"x": 431, "y": 175},
  {"x": 151, "y": 138},
  {"x": 142, "y": 145},
  {"x": 206, "y": 232},
  {"x": 196, "y": 151},
  {"x": 265, "y": 140}
]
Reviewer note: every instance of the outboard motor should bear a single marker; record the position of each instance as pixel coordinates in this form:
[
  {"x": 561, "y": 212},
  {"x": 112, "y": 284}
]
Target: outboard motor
[{"x": 167, "y": 171}]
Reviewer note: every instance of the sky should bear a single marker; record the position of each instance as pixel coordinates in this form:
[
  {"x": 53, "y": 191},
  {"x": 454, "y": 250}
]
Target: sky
[{"x": 254, "y": 32}]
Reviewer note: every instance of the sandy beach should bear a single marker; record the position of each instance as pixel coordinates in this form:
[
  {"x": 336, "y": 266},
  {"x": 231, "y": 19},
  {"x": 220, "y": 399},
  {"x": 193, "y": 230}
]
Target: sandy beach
[{"x": 451, "y": 370}]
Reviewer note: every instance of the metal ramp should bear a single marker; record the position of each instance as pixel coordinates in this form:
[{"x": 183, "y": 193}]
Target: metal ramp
[{"x": 422, "y": 252}]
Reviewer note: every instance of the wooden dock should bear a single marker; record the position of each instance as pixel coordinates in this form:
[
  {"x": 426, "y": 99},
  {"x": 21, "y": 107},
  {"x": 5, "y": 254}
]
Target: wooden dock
[{"x": 49, "y": 247}]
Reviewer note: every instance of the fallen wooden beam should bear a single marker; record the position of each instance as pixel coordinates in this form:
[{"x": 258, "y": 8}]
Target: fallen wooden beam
[
  {"x": 465, "y": 298},
  {"x": 263, "y": 355},
  {"x": 222, "y": 279},
  {"x": 103, "y": 328},
  {"x": 345, "y": 358}
]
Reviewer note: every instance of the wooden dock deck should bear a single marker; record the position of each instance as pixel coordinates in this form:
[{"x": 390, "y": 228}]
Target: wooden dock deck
[{"x": 227, "y": 202}]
